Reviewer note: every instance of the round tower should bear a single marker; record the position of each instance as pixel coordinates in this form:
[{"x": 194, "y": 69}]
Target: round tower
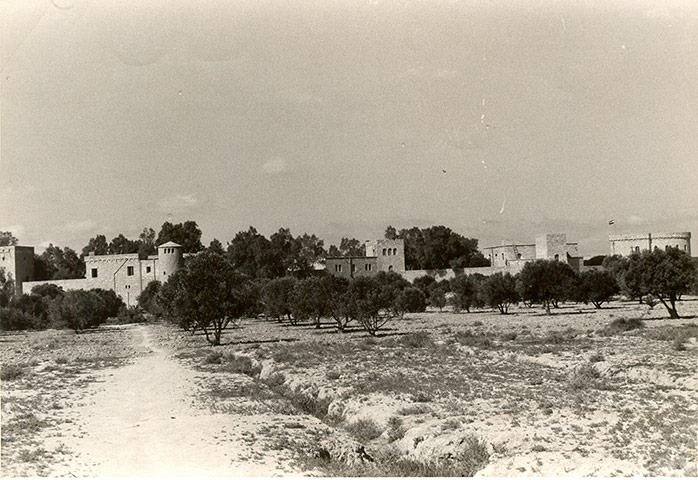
[{"x": 169, "y": 260}]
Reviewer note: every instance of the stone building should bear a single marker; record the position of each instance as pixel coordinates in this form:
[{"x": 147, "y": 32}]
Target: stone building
[
  {"x": 635, "y": 243},
  {"x": 381, "y": 256},
  {"x": 549, "y": 246},
  {"x": 126, "y": 274},
  {"x": 18, "y": 263}
]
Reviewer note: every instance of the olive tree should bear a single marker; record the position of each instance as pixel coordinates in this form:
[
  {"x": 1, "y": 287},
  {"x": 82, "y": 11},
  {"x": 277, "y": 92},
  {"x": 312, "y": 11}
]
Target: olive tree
[
  {"x": 597, "y": 287},
  {"x": 547, "y": 282},
  {"x": 663, "y": 274},
  {"x": 209, "y": 293},
  {"x": 499, "y": 291}
]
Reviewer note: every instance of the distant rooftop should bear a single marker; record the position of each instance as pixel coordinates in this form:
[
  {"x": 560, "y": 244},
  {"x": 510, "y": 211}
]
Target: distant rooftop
[{"x": 170, "y": 244}]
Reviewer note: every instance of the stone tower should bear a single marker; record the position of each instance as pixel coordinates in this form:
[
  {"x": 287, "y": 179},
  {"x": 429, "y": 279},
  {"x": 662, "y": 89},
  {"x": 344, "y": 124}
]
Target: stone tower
[{"x": 169, "y": 260}]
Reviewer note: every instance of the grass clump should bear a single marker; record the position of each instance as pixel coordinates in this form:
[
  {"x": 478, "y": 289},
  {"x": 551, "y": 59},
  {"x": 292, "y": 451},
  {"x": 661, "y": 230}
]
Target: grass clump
[
  {"x": 620, "y": 325},
  {"x": 396, "y": 429},
  {"x": 414, "y": 410},
  {"x": 416, "y": 340},
  {"x": 584, "y": 377},
  {"x": 472, "y": 457},
  {"x": 241, "y": 364},
  {"x": 364, "y": 430},
  {"x": 469, "y": 339},
  {"x": 11, "y": 371},
  {"x": 213, "y": 358}
]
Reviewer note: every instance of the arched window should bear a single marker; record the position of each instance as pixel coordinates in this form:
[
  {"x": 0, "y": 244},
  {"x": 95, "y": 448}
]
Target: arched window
[
  {"x": 637, "y": 249},
  {"x": 384, "y": 250},
  {"x": 390, "y": 268},
  {"x": 557, "y": 257},
  {"x": 394, "y": 251}
]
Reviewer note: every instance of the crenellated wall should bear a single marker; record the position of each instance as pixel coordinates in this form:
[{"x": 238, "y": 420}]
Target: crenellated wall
[{"x": 626, "y": 244}]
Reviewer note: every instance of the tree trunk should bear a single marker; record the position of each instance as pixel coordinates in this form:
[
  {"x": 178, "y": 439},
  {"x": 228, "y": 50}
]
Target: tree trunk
[
  {"x": 547, "y": 307},
  {"x": 671, "y": 309}
]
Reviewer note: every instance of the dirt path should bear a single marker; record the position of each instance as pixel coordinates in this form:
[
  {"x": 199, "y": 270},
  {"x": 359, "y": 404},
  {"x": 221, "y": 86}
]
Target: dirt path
[{"x": 141, "y": 422}]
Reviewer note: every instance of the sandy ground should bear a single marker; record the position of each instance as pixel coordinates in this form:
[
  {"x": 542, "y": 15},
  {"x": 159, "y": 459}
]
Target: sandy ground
[
  {"x": 143, "y": 401},
  {"x": 142, "y": 420}
]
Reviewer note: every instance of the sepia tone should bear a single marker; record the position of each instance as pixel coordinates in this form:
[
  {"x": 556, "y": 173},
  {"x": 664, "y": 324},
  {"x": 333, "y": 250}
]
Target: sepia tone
[{"x": 508, "y": 316}]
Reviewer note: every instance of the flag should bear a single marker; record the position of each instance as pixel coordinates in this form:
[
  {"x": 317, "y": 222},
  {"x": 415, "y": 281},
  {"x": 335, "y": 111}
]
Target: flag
[{"x": 611, "y": 222}]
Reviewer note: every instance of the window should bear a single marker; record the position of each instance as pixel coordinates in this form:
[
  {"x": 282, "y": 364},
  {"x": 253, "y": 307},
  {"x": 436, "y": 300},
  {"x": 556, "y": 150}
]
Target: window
[
  {"x": 637, "y": 249},
  {"x": 384, "y": 250},
  {"x": 164, "y": 273},
  {"x": 557, "y": 257},
  {"x": 394, "y": 251},
  {"x": 129, "y": 271},
  {"x": 518, "y": 255},
  {"x": 147, "y": 269},
  {"x": 390, "y": 268},
  {"x": 337, "y": 268},
  {"x": 94, "y": 273},
  {"x": 368, "y": 267},
  {"x": 353, "y": 268}
]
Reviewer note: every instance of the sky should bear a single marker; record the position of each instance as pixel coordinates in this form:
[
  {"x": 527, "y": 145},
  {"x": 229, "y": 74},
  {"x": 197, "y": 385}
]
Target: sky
[{"x": 501, "y": 120}]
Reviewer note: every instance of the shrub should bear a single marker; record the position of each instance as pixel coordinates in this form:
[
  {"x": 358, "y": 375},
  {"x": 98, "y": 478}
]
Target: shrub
[
  {"x": 396, "y": 430},
  {"x": 620, "y": 325},
  {"x": 148, "y": 299},
  {"x": 11, "y": 372},
  {"x": 129, "y": 315},
  {"x": 213, "y": 358},
  {"x": 243, "y": 365},
  {"x": 417, "y": 340},
  {"x": 112, "y": 302},
  {"x": 411, "y": 300},
  {"x": 77, "y": 310},
  {"x": 12, "y": 318},
  {"x": 585, "y": 376},
  {"x": 364, "y": 430}
]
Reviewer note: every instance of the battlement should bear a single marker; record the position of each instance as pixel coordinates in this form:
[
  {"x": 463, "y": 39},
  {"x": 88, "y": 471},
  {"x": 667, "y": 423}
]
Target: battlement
[
  {"x": 626, "y": 244},
  {"x": 111, "y": 258}
]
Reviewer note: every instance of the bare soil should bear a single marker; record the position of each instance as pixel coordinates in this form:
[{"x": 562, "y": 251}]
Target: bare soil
[{"x": 555, "y": 395}]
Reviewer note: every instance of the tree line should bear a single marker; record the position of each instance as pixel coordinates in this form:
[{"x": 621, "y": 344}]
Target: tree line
[
  {"x": 255, "y": 255},
  {"x": 48, "y": 306}
]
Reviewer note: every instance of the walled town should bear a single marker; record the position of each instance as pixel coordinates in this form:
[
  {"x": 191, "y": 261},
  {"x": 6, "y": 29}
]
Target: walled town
[{"x": 280, "y": 357}]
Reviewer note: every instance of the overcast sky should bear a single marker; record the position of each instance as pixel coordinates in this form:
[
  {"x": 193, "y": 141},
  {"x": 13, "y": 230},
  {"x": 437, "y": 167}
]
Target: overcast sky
[{"x": 501, "y": 120}]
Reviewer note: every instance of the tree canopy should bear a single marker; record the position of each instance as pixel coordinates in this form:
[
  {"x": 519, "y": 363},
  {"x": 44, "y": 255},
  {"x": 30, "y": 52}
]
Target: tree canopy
[
  {"x": 666, "y": 274},
  {"x": 437, "y": 247}
]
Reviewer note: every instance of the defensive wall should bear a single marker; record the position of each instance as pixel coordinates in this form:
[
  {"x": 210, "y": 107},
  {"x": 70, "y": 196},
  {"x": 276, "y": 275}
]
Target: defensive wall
[
  {"x": 626, "y": 244},
  {"x": 125, "y": 274}
]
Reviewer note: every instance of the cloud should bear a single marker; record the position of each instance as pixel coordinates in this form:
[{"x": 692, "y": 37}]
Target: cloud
[
  {"x": 178, "y": 202},
  {"x": 275, "y": 166}
]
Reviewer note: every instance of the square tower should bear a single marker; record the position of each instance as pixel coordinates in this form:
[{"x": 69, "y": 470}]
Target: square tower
[
  {"x": 390, "y": 254},
  {"x": 552, "y": 246}
]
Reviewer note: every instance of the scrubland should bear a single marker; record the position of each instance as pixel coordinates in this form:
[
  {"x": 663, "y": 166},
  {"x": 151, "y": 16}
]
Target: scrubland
[{"x": 582, "y": 392}]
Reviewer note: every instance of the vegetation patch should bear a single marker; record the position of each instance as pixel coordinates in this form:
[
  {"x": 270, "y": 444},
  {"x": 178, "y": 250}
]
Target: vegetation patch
[
  {"x": 11, "y": 372},
  {"x": 364, "y": 430},
  {"x": 620, "y": 325}
]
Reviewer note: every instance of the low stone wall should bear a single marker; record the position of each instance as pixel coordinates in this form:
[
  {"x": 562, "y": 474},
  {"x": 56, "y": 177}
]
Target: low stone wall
[
  {"x": 448, "y": 273},
  {"x": 71, "y": 284}
]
